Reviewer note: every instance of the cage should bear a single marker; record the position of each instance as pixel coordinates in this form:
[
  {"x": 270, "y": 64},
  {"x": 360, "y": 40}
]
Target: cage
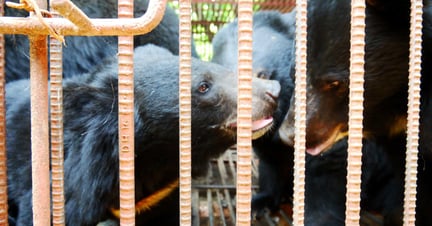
[{"x": 214, "y": 197}]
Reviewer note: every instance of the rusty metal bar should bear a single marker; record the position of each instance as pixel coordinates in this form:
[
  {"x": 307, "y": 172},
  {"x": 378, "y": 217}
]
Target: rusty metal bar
[
  {"x": 355, "y": 121},
  {"x": 185, "y": 119},
  {"x": 244, "y": 112},
  {"x": 219, "y": 198},
  {"x": 300, "y": 113},
  {"x": 57, "y": 140},
  {"x": 196, "y": 211},
  {"x": 85, "y": 26},
  {"x": 413, "y": 112},
  {"x": 3, "y": 158},
  {"x": 39, "y": 129},
  {"x": 223, "y": 174},
  {"x": 126, "y": 119},
  {"x": 218, "y": 186},
  {"x": 210, "y": 207}
]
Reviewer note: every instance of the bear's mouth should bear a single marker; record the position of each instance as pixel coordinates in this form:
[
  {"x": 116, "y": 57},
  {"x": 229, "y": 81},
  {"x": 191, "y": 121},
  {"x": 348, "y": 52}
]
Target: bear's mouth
[
  {"x": 327, "y": 144},
  {"x": 259, "y": 127}
]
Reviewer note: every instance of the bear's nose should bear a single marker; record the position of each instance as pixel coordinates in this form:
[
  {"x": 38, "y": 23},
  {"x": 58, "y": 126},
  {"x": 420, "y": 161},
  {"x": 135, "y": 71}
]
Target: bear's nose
[
  {"x": 272, "y": 95},
  {"x": 272, "y": 92}
]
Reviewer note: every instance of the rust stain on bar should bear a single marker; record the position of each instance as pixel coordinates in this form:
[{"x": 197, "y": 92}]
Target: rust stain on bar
[
  {"x": 99, "y": 27},
  {"x": 244, "y": 113},
  {"x": 126, "y": 120}
]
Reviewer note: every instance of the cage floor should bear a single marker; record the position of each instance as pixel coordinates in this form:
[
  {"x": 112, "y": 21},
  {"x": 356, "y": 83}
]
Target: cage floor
[{"x": 214, "y": 198}]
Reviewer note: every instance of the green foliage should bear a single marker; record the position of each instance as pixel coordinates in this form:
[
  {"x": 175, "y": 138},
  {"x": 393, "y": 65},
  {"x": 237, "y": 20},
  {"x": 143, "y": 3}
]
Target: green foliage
[{"x": 207, "y": 19}]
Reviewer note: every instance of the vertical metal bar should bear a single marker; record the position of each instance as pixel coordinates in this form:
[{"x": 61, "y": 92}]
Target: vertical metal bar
[
  {"x": 210, "y": 207},
  {"x": 355, "y": 121},
  {"x": 196, "y": 211},
  {"x": 221, "y": 210},
  {"x": 126, "y": 120},
  {"x": 185, "y": 111},
  {"x": 3, "y": 158},
  {"x": 39, "y": 127},
  {"x": 300, "y": 113},
  {"x": 56, "y": 120},
  {"x": 413, "y": 112},
  {"x": 39, "y": 130},
  {"x": 244, "y": 112},
  {"x": 223, "y": 174}
]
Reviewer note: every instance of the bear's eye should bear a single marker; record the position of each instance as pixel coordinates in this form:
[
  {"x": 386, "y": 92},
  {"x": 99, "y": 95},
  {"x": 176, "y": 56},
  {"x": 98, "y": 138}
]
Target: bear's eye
[
  {"x": 264, "y": 75},
  {"x": 203, "y": 87},
  {"x": 331, "y": 85}
]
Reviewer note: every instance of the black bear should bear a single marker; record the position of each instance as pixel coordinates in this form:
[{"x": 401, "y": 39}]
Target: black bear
[
  {"x": 91, "y": 137},
  {"x": 273, "y": 56},
  {"x": 87, "y": 52},
  {"x": 386, "y": 81},
  {"x": 273, "y": 59}
]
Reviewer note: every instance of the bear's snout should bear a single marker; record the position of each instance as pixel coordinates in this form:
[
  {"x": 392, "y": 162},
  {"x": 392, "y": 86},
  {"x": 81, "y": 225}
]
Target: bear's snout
[{"x": 268, "y": 89}]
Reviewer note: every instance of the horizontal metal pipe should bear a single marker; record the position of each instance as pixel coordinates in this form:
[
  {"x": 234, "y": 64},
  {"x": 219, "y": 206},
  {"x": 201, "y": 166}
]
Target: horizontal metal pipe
[{"x": 77, "y": 23}]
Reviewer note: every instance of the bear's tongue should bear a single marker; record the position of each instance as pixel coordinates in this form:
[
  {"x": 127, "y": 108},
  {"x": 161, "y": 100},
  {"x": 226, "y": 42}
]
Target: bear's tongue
[
  {"x": 259, "y": 127},
  {"x": 324, "y": 146},
  {"x": 259, "y": 124},
  {"x": 318, "y": 149}
]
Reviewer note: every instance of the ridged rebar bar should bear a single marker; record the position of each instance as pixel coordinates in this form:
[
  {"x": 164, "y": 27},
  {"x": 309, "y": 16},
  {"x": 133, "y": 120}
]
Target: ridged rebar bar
[
  {"x": 126, "y": 120},
  {"x": 3, "y": 158},
  {"x": 57, "y": 139},
  {"x": 355, "y": 121},
  {"x": 244, "y": 112},
  {"x": 185, "y": 119},
  {"x": 413, "y": 112},
  {"x": 300, "y": 113}
]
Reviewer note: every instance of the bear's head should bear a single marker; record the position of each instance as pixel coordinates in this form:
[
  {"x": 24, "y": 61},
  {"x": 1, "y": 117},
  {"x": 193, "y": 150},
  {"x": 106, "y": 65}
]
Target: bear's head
[{"x": 213, "y": 109}]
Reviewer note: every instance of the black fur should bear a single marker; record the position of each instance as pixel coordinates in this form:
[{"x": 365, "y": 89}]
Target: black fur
[
  {"x": 381, "y": 188},
  {"x": 386, "y": 80},
  {"x": 91, "y": 134},
  {"x": 273, "y": 58}
]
